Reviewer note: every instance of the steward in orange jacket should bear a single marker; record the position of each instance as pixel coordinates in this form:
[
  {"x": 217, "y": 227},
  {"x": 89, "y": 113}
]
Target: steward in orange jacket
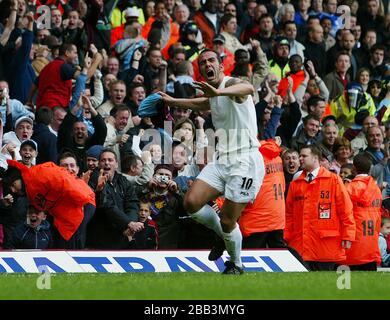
[
  {"x": 367, "y": 200},
  {"x": 319, "y": 218},
  {"x": 263, "y": 221},
  {"x": 53, "y": 189}
]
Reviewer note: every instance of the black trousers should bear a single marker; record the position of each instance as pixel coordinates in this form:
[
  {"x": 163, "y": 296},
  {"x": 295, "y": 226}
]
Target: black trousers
[
  {"x": 78, "y": 240},
  {"x": 320, "y": 266},
  {"x": 371, "y": 266},
  {"x": 269, "y": 239}
]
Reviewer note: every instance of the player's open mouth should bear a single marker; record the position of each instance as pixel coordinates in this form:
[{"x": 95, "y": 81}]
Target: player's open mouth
[{"x": 210, "y": 74}]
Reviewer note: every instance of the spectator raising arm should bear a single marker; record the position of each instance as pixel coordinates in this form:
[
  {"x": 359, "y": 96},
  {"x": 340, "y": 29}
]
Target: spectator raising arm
[{"x": 10, "y": 23}]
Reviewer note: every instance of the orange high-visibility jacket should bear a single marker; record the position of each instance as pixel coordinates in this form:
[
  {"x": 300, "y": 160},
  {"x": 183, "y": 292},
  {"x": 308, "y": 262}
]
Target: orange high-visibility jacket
[
  {"x": 297, "y": 80},
  {"x": 53, "y": 189},
  {"x": 318, "y": 216},
  {"x": 267, "y": 212},
  {"x": 367, "y": 200}
]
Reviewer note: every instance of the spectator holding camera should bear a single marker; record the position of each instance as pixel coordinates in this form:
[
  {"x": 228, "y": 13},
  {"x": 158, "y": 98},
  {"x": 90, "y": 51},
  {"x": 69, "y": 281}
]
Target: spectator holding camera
[{"x": 166, "y": 206}]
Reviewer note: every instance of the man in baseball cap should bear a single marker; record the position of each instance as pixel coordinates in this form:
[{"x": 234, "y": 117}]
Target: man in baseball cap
[
  {"x": 279, "y": 64},
  {"x": 219, "y": 38},
  {"x": 226, "y": 56}
]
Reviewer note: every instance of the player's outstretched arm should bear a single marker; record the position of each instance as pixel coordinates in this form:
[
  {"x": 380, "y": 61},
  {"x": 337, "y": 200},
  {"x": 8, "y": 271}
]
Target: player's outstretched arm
[
  {"x": 196, "y": 104},
  {"x": 234, "y": 88}
]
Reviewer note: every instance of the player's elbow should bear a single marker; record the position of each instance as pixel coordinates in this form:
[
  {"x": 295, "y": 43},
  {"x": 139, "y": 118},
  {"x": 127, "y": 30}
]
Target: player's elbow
[{"x": 251, "y": 89}]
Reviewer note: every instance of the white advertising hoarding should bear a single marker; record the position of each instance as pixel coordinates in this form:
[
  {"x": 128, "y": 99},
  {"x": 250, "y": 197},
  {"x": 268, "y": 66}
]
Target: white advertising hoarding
[{"x": 142, "y": 261}]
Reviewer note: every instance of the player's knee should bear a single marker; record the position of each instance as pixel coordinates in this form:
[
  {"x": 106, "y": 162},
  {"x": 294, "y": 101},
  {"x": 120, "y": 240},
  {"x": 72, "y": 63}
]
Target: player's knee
[{"x": 191, "y": 204}]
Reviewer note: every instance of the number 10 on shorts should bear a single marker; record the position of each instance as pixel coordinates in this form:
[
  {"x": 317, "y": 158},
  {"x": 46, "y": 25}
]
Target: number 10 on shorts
[{"x": 246, "y": 183}]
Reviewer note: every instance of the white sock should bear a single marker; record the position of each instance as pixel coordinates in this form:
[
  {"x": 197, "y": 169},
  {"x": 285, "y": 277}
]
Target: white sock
[
  {"x": 233, "y": 243},
  {"x": 209, "y": 218}
]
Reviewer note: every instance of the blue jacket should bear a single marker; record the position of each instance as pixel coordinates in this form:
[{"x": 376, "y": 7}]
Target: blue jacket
[
  {"x": 17, "y": 110},
  {"x": 47, "y": 143},
  {"x": 26, "y": 237},
  {"x": 21, "y": 74}
]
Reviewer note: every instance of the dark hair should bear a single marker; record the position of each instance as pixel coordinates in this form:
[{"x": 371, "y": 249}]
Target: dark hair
[
  {"x": 325, "y": 18},
  {"x": 154, "y": 36},
  {"x": 342, "y": 53},
  {"x": 118, "y": 108},
  {"x": 209, "y": 50},
  {"x": 384, "y": 220},
  {"x": 110, "y": 151},
  {"x": 65, "y": 47},
  {"x": 314, "y": 150},
  {"x": 150, "y": 51},
  {"x": 347, "y": 166},
  {"x": 313, "y": 17},
  {"x": 10, "y": 176},
  {"x": 129, "y": 161},
  {"x": 286, "y": 23},
  {"x": 377, "y": 46},
  {"x": 44, "y": 115},
  {"x": 135, "y": 85},
  {"x": 313, "y": 101},
  {"x": 309, "y": 117},
  {"x": 164, "y": 166},
  {"x": 362, "y": 164},
  {"x": 265, "y": 15},
  {"x": 226, "y": 18},
  {"x": 67, "y": 154},
  {"x": 179, "y": 124},
  {"x": 175, "y": 51}
]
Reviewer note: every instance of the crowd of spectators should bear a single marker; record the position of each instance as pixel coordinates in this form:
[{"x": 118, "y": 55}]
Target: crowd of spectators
[{"x": 78, "y": 79}]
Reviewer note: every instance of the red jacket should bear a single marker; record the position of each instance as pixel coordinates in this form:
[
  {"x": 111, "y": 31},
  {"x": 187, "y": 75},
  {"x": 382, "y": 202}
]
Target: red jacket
[
  {"x": 367, "y": 200},
  {"x": 53, "y": 189},
  {"x": 267, "y": 213},
  {"x": 206, "y": 27},
  {"x": 318, "y": 217},
  {"x": 52, "y": 90}
]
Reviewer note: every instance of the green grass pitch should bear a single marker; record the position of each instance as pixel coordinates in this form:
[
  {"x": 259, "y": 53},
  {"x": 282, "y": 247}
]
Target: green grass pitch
[{"x": 196, "y": 286}]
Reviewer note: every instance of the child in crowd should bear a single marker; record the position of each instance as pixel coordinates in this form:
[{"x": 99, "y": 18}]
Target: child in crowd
[
  {"x": 346, "y": 172},
  {"x": 156, "y": 152},
  {"x": 385, "y": 231},
  {"x": 33, "y": 234},
  {"x": 146, "y": 238},
  {"x": 28, "y": 151}
]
